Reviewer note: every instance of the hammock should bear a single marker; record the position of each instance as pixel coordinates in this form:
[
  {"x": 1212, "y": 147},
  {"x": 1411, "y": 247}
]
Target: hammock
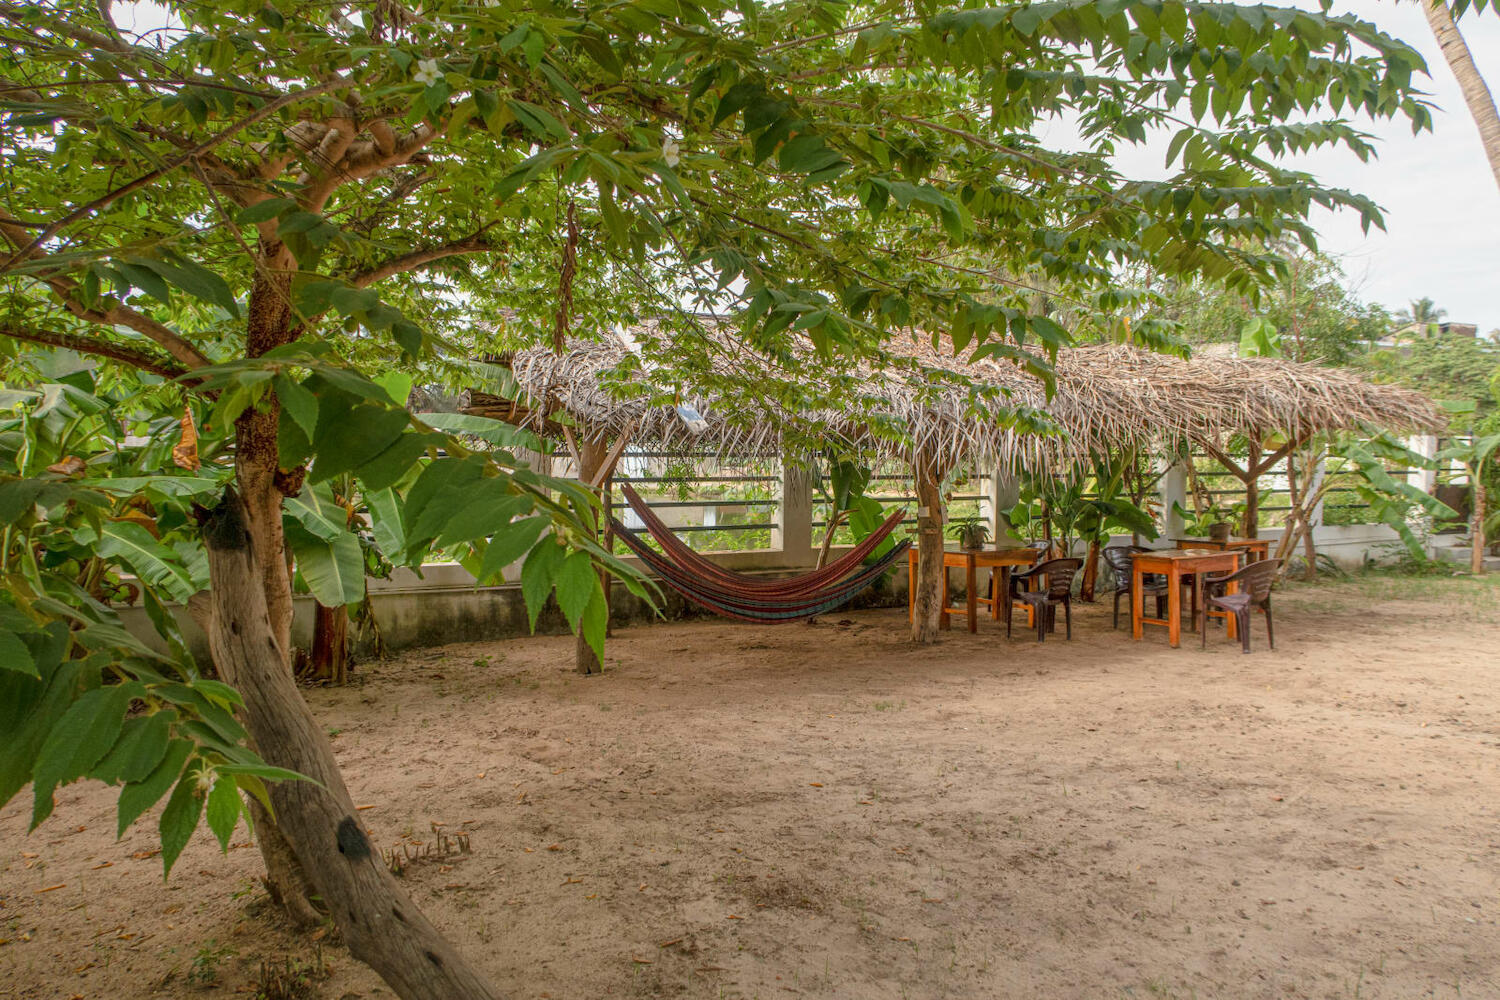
[
  {"x": 735, "y": 595},
  {"x": 718, "y": 577},
  {"x": 766, "y": 609}
]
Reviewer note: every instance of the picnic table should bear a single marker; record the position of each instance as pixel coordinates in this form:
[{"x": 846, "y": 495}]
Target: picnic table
[
  {"x": 1001, "y": 560},
  {"x": 1255, "y": 549},
  {"x": 1174, "y": 564}
]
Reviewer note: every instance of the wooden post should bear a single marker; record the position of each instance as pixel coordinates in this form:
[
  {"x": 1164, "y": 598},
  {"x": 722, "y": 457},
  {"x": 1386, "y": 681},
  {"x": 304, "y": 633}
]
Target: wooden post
[
  {"x": 1251, "y": 480},
  {"x": 928, "y": 586}
]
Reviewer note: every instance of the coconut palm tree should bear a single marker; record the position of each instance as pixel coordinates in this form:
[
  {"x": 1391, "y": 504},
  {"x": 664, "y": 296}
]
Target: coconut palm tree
[
  {"x": 1420, "y": 319},
  {"x": 1476, "y": 94}
]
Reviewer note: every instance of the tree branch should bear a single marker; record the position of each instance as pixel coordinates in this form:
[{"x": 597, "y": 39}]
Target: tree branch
[
  {"x": 146, "y": 361},
  {"x": 117, "y": 315},
  {"x": 419, "y": 258},
  {"x": 260, "y": 114},
  {"x": 1234, "y": 468}
]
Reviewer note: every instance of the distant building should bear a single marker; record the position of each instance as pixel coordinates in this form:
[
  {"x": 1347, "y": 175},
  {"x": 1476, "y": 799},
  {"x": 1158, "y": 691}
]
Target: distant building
[{"x": 1421, "y": 331}]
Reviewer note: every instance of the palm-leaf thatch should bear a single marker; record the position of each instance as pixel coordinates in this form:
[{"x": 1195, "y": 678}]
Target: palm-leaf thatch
[{"x": 921, "y": 400}]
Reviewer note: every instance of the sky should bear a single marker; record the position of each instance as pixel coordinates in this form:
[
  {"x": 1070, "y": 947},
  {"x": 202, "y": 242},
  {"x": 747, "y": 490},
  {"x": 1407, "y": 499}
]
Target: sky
[{"x": 1441, "y": 203}]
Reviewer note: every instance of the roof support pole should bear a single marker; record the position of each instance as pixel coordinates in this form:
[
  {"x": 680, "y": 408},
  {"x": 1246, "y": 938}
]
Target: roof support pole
[{"x": 928, "y": 586}]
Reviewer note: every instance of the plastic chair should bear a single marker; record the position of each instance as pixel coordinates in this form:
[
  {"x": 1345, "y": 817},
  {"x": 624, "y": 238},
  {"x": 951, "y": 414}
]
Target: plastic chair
[
  {"x": 1254, "y": 582},
  {"x": 1059, "y": 590},
  {"x": 1118, "y": 558}
]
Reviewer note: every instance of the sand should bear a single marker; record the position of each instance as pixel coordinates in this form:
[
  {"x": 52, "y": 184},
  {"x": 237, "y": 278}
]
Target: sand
[{"x": 827, "y": 811}]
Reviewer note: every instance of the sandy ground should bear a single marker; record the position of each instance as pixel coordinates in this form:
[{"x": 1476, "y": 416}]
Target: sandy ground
[{"x": 824, "y": 811}]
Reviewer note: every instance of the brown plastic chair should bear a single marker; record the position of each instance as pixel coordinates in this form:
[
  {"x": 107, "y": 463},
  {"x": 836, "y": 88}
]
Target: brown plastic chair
[
  {"x": 1152, "y": 585},
  {"x": 1059, "y": 590},
  {"x": 1254, "y": 582}
]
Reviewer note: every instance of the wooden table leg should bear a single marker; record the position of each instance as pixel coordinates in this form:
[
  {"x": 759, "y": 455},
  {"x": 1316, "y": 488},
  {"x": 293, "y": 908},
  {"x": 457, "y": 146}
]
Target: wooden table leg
[
  {"x": 972, "y": 583},
  {"x": 999, "y": 589},
  {"x": 1231, "y": 625},
  {"x": 1174, "y": 606},
  {"x": 1136, "y": 610}
]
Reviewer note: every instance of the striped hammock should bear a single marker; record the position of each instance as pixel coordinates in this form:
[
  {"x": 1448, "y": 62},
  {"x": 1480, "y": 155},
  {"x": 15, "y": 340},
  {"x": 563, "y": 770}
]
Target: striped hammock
[{"x": 753, "y": 599}]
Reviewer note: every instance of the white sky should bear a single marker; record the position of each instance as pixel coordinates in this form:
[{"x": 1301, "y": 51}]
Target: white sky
[{"x": 1441, "y": 203}]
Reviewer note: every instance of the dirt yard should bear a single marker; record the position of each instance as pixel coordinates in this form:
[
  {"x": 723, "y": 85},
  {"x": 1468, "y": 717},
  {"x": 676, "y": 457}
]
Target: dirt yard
[{"x": 825, "y": 811}]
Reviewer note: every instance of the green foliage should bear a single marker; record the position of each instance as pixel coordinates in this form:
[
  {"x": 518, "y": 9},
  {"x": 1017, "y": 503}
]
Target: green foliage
[
  {"x": 1308, "y": 313},
  {"x": 81, "y": 696}
]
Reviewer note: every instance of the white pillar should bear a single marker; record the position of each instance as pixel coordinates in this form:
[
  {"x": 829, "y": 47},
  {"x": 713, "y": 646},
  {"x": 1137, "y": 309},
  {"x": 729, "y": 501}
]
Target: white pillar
[
  {"x": 1173, "y": 491},
  {"x": 794, "y": 537}
]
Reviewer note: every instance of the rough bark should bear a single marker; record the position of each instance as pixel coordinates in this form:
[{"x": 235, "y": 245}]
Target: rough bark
[
  {"x": 330, "y": 649},
  {"x": 1476, "y": 94},
  {"x": 1251, "y": 526},
  {"x": 379, "y": 923},
  {"x": 1090, "y": 582},
  {"x": 929, "y": 582},
  {"x": 261, "y": 481},
  {"x": 591, "y": 458}
]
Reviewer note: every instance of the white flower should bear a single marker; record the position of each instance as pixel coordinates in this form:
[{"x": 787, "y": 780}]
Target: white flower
[
  {"x": 492, "y": 3},
  {"x": 427, "y": 72},
  {"x": 670, "y": 151}
]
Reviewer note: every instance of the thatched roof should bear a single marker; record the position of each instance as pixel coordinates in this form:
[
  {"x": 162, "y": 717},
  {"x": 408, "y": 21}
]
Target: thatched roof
[{"x": 921, "y": 399}]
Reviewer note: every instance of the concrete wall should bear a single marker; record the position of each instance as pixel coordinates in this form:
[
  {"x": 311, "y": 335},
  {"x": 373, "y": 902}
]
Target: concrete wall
[{"x": 442, "y": 604}]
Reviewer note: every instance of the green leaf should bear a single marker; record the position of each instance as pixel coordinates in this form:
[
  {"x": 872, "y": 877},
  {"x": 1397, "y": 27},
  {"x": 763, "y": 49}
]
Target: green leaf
[
  {"x": 576, "y": 583},
  {"x": 385, "y": 521},
  {"x": 141, "y": 747},
  {"x": 152, "y": 561},
  {"x": 224, "y": 807},
  {"x": 263, "y": 211},
  {"x": 489, "y": 509},
  {"x": 15, "y": 655},
  {"x": 29, "y": 708},
  {"x": 138, "y": 796},
  {"x": 195, "y": 279},
  {"x": 334, "y": 569},
  {"x": 596, "y": 622},
  {"x": 178, "y": 820},
  {"x": 317, "y": 511},
  {"x": 510, "y": 543},
  {"x": 299, "y": 403},
  {"x": 537, "y": 576},
  {"x": 80, "y": 739}
]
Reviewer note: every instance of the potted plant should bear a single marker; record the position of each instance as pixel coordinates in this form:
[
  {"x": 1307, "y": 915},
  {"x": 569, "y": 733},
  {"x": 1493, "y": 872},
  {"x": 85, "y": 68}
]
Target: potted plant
[{"x": 971, "y": 532}]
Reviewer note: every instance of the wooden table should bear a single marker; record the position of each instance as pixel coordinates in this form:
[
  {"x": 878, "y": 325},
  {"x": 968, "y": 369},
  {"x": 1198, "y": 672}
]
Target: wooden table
[
  {"x": 1255, "y": 549},
  {"x": 1174, "y": 564},
  {"x": 971, "y": 563}
]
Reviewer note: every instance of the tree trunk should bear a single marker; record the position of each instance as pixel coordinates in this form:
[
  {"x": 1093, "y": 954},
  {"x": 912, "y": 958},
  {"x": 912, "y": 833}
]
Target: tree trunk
[
  {"x": 929, "y": 582},
  {"x": 1476, "y": 94},
  {"x": 835, "y": 518},
  {"x": 1090, "y": 579},
  {"x": 379, "y": 923},
  {"x": 330, "y": 649},
  {"x": 1251, "y": 527},
  {"x": 1476, "y": 555},
  {"x": 591, "y": 458}
]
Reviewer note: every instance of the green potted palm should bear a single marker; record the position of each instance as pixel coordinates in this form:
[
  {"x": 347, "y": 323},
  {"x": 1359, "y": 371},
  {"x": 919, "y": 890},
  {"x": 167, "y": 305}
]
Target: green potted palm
[{"x": 971, "y": 531}]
